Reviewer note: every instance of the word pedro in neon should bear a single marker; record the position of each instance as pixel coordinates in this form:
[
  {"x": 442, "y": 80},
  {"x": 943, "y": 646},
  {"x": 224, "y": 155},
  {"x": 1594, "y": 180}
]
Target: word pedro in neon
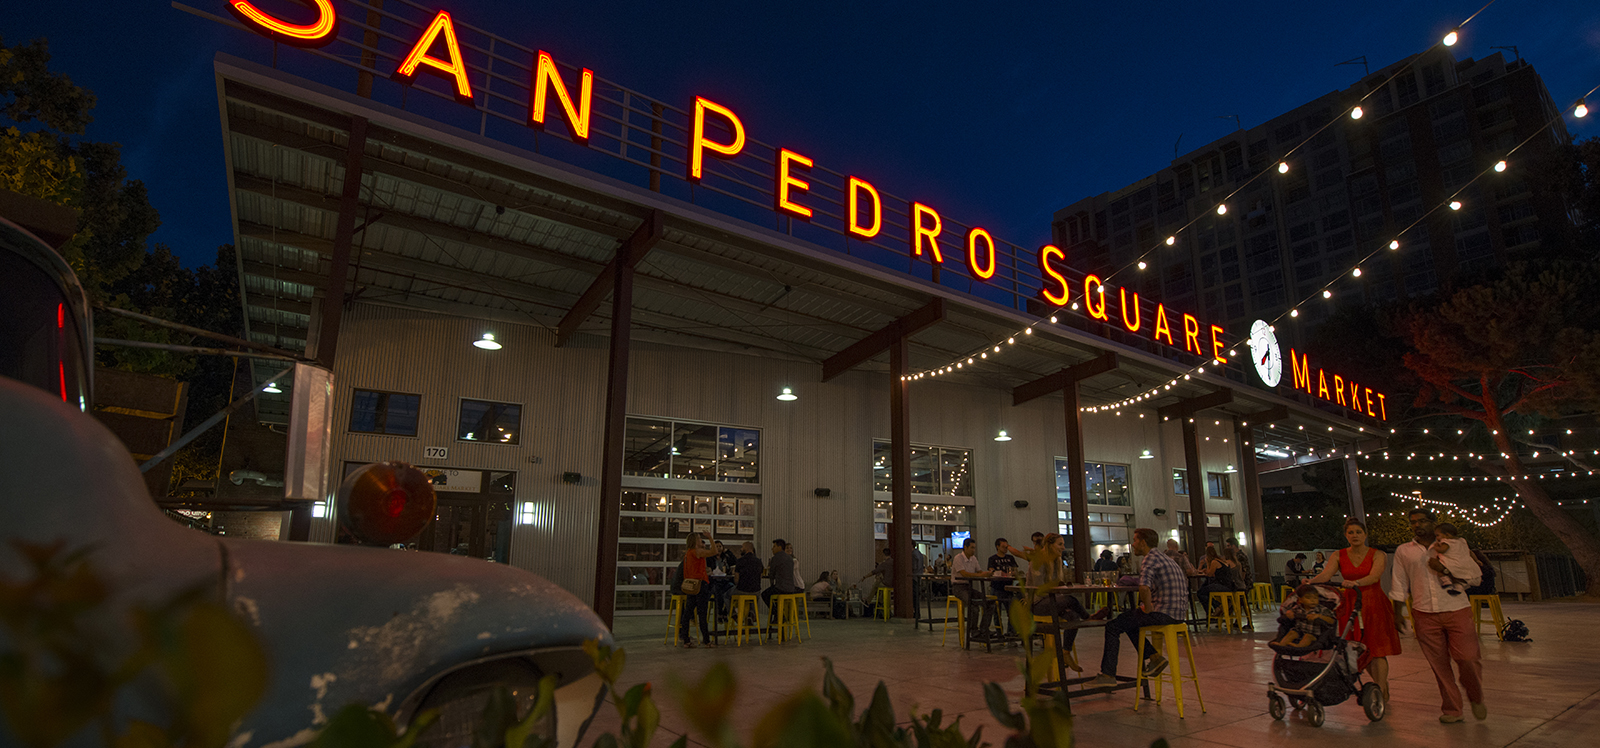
[
  {"x": 1340, "y": 391},
  {"x": 864, "y": 205}
]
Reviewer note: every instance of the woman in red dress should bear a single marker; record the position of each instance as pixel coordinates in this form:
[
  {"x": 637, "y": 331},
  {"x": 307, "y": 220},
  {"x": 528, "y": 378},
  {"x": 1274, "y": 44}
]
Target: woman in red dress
[{"x": 1361, "y": 568}]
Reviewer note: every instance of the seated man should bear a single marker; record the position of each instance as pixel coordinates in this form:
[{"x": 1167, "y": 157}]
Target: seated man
[
  {"x": 747, "y": 571},
  {"x": 963, "y": 571},
  {"x": 1163, "y": 600},
  {"x": 1175, "y": 552},
  {"x": 781, "y": 569},
  {"x": 1002, "y": 565}
]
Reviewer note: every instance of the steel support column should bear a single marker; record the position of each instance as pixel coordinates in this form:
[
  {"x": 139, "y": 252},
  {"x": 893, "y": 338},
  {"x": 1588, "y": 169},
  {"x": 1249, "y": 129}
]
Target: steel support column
[
  {"x": 1067, "y": 381},
  {"x": 605, "y": 563},
  {"x": 1252, "y": 496},
  {"x": 900, "y": 475},
  {"x": 1184, "y": 411},
  {"x": 343, "y": 236},
  {"x": 1352, "y": 482}
]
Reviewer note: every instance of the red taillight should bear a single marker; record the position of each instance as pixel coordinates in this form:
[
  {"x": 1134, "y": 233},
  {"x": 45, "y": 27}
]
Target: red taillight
[
  {"x": 61, "y": 366},
  {"x": 386, "y": 503},
  {"x": 61, "y": 316}
]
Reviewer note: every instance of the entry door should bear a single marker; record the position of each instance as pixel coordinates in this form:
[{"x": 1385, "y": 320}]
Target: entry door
[{"x": 472, "y": 527}]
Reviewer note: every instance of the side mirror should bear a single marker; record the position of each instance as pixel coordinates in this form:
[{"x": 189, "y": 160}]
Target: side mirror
[{"x": 386, "y": 503}]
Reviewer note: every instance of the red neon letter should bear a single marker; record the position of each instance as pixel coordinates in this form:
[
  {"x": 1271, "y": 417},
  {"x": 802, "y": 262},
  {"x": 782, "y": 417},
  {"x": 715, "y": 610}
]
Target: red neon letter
[
  {"x": 1366, "y": 394},
  {"x": 1382, "y": 412},
  {"x": 1050, "y": 273},
  {"x": 1123, "y": 294},
  {"x": 1191, "y": 334},
  {"x": 698, "y": 146},
  {"x": 1091, "y": 295},
  {"x": 918, "y": 210},
  {"x": 972, "y": 253},
  {"x": 1162, "y": 328},
  {"x": 1322, "y": 385},
  {"x": 785, "y": 181},
  {"x": 858, "y": 186},
  {"x": 545, "y": 77},
  {"x": 1302, "y": 371},
  {"x": 456, "y": 67},
  {"x": 316, "y": 34},
  {"x": 1216, "y": 345},
  {"x": 1338, "y": 389}
]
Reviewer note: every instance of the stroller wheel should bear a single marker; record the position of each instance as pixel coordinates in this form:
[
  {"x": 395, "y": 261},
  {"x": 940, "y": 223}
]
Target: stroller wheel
[
  {"x": 1314, "y": 714},
  {"x": 1372, "y": 702},
  {"x": 1276, "y": 706}
]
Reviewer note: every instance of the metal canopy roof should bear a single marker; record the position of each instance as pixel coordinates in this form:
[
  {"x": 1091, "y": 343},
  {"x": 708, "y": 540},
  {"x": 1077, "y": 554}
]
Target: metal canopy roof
[{"x": 458, "y": 224}]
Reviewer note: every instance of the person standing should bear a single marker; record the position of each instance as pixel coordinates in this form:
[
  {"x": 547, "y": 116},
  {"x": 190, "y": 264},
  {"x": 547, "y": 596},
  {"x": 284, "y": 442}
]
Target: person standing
[
  {"x": 1445, "y": 629},
  {"x": 694, "y": 604},
  {"x": 1362, "y": 569},
  {"x": 1163, "y": 600}
]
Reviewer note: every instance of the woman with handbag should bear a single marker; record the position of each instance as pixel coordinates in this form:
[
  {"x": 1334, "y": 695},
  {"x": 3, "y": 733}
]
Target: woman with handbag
[{"x": 696, "y": 588}]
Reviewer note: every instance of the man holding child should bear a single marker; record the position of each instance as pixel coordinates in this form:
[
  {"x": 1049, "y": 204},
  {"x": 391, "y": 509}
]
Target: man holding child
[{"x": 1445, "y": 629}]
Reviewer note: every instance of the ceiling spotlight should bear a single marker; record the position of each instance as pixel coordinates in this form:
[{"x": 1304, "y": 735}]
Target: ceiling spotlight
[
  {"x": 487, "y": 342},
  {"x": 1283, "y": 167},
  {"x": 1222, "y": 210},
  {"x": 1451, "y": 38},
  {"x": 1500, "y": 166},
  {"x": 1003, "y": 437},
  {"x": 272, "y": 389},
  {"x": 1580, "y": 110},
  {"x": 787, "y": 395},
  {"x": 1171, "y": 240},
  {"x": 1147, "y": 455},
  {"x": 1455, "y": 205},
  {"x": 1356, "y": 113},
  {"x": 1394, "y": 244}
]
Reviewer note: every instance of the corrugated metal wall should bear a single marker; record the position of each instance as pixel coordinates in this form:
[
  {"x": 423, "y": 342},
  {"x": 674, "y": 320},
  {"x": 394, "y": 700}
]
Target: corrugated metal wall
[{"x": 822, "y": 440}]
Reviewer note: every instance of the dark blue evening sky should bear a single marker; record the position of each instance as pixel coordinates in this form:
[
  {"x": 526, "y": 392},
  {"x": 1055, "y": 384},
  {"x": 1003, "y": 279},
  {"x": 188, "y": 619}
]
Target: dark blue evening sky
[{"x": 999, "y": 113}]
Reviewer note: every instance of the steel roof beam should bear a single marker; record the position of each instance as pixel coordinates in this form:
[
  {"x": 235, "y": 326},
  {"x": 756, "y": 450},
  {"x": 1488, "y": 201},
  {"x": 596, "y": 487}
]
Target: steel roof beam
[
  {"x": 862, "y": 350},
  {"x": 629, "y": 254}
]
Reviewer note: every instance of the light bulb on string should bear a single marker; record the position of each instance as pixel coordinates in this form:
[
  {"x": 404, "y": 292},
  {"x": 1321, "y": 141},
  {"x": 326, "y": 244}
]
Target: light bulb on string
[
  {"x": 1500, "y": 166},
  {"x": 1580, "y": 110},
  {"x": 1455, "y": 205},
  {"x": 1142, "y": 266},
  {"x": 1451, "y": 38},
  {"x": 1171, "y": 240},
  {"x": 1283, "y": 167},
  {"x": 1294, "y": 312},
  {"x": 1356, "y": 113},
  {"x": 1394, "y": 244},
  {"x": 1222, "y": 209},
  {"x": 1326, "y": 294},
  {"x": 1356, "y": 273}
]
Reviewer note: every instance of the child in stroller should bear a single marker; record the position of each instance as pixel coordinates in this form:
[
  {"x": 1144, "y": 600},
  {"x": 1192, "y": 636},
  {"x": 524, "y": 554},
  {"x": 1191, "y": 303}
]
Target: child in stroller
[{"x": 1325, "y": 670}]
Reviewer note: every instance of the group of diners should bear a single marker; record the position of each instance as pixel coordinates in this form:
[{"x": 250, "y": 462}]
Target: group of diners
[{"x": 714, "y": 572}]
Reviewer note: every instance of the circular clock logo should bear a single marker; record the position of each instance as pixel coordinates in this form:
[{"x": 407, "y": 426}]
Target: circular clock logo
[{"x": 1264, "y": 353}]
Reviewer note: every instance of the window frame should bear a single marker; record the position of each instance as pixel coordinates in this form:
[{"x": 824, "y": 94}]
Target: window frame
[
  {"x": 386, "y": 393},
  {"x": 717, "y": 470},
  {"x": 517, "y": 440}
]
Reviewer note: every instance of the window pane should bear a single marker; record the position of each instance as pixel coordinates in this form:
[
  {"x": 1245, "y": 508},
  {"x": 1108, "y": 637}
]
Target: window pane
[
  {"x": 638, "y": 552},
  {"x": 639, "y": 600},
  {"x": 1095, "y": 483},
  {"x": 955, "y": 472},
  {"x": 640, "y": 575},
  {"x": 737, "y": 453},
  {"x": 484, "y": 421},
  {"x": 635, "y": 501},
  {"x": 364, "y": 410},
  {"x": 881, "y": 478},
  {"x": 1063, "y": 482},
  {"x": 1117, "y": 493},
  {"x": 1219, "y": 485},
  {"x": 694, "y": 451},
  {"x": 646, "y": 448},
  {"x": 401, "y": 415},
  {"x": 642, "y": 527},
  {"x": 1180, "y": 482},
  {"x": 923, "y": 466}
]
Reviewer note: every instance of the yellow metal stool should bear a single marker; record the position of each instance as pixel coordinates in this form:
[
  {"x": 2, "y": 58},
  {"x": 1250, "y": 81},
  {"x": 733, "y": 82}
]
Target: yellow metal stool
[
  {"x": 1284, "y": 593},
  {"x": 885, "y": 598},
  {"x": 740, "y": 605},
  {"x": 1492, "y": 603},
  {"x": 961, "y": 619},
  {"x": 1262, "y": 594},
  {"x": 1169, "y": 635},
  {"x": 1227, "y": 608},
  {"x": 788, "y": 615},
  {"x": 674, "y": 615}
]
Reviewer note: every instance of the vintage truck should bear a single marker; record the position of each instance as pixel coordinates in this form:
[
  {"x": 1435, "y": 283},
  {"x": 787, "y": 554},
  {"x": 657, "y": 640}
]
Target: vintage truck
[{"x": 395, "y": 630}]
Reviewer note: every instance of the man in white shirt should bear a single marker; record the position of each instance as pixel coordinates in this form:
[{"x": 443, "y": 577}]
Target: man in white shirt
[
  {"x": 966, "y": 568},
  {"x": 1445, "y": 630}
]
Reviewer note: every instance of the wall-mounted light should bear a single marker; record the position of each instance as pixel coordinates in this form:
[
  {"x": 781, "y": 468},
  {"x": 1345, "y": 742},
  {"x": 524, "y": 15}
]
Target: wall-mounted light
[
  {"x": 787, "y": 395},
  {"x": 1230, "y": 469},
  {"x": 1003, "y": 437},
  {"x": 1147, "y": 456},
  {"x": 487, "y": 342}
]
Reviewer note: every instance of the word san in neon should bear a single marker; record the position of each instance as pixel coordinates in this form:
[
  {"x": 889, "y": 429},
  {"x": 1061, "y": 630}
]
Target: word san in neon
[
  {"x": 863, "y": 217},
  {"x": 1336, "y": 389}
]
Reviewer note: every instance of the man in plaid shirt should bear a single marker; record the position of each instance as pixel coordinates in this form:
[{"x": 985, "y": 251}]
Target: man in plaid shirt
[{"x": 1163, "y": 600}]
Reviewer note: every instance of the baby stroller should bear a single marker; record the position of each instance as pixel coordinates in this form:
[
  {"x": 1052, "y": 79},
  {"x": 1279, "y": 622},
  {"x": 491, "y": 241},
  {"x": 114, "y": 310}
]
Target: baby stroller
[{"x": 1325, "y": 673}]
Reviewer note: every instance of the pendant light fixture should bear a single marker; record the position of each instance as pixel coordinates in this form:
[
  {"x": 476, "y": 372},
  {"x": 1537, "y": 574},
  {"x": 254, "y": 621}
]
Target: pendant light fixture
[{"x": 487, "y": 342}]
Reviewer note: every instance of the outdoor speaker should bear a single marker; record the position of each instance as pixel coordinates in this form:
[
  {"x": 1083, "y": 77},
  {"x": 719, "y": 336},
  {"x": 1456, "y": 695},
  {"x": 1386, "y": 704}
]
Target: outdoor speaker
[
  {"x": 821, "y": 493},
  {"x": 571, "y": 477},
  {"x": 1020, "y": 504}
]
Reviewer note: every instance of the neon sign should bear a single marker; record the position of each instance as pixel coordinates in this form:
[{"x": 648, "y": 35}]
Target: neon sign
[{"x": 793, "y": 182}]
